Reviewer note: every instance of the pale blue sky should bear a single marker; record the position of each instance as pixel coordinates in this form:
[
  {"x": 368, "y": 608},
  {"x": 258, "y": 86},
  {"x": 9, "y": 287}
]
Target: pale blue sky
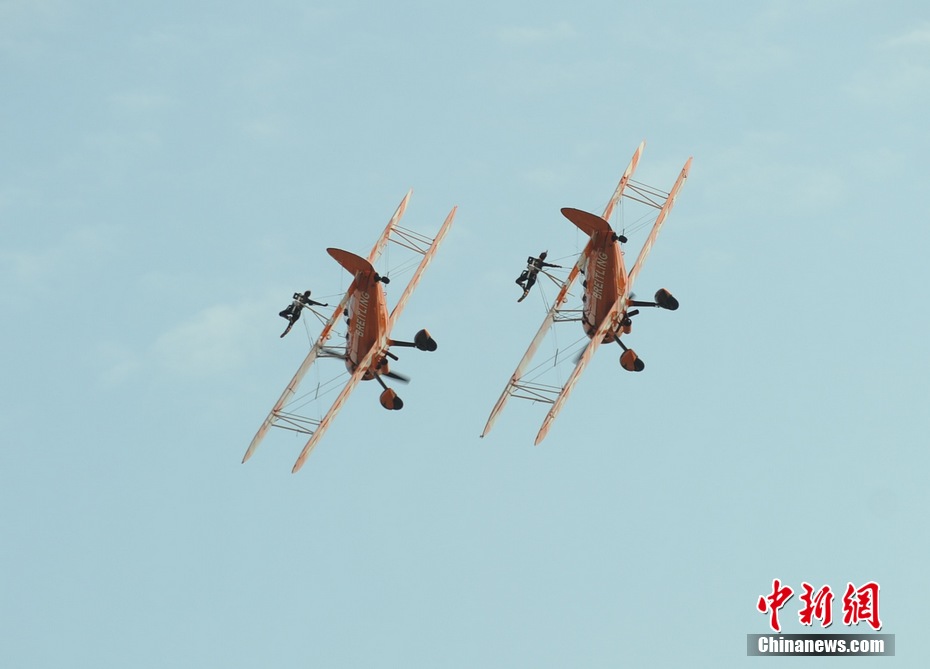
[{"x": 171, "y": 172}]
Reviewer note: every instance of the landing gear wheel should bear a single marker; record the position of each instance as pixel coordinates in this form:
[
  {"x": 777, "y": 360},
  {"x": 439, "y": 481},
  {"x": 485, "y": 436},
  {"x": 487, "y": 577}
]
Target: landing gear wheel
[
  {"x": 424, "y": 342},
  {"x": 390, "y": 400},
  {"x": 631, "y": 362},
  {"x": 666, "y": 300}
]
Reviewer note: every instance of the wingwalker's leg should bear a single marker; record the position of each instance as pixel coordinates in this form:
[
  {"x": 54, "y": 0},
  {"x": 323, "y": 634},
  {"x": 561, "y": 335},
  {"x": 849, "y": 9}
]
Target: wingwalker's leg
[{"x": 389, "y": 399}]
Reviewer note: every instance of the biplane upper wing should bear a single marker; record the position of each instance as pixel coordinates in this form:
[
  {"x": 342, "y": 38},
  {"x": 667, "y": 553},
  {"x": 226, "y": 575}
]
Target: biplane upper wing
[
  {"x": 428, "y": 254},
  {"x": 624, "y": 180},
  {"x": 276, "y": 412},
  {"x": 561, "y": 298}
]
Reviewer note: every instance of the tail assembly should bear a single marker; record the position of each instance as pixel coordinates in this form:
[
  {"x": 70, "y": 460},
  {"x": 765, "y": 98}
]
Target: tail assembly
[
  {"x": 352, "y": 263},
  {"x": 586, "y": 222}
]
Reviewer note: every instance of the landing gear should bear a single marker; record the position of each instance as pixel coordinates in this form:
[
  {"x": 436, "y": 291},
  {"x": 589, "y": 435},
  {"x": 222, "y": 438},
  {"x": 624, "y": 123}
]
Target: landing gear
[
  {"x": 424, "y": 342},
  {"x": 389, "y": 400},
  {"x": 663, "y": 300},
  {"x": 421, "y": 341},
  {"x": 629, "y": 360}
]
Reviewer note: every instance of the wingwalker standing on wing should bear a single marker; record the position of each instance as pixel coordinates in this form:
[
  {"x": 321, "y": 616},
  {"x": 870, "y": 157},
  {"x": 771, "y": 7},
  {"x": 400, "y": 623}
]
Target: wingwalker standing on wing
[
  {"x": 292, "y": 313},
  {"x": 528, "y": 276}
]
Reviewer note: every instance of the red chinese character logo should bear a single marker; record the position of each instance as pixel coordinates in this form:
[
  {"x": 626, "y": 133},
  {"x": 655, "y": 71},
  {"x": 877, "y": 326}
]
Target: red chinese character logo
[
  {"x": 775, "y": 601},
  {"x": 861, "y": 605},
  {"x": 819, "y": 606}
]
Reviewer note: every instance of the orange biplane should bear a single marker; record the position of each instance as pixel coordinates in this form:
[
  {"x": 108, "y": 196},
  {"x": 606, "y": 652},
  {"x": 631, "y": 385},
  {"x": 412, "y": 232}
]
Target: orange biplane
[
  {"x": 367, "y": 337},
  {"x": 605, "y": 310}
]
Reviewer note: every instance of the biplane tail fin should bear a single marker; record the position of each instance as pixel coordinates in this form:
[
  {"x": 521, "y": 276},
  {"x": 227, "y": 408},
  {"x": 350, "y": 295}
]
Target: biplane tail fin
[
  {"x": 353, "y": 263},
  {"x": 586, "y": 222}
]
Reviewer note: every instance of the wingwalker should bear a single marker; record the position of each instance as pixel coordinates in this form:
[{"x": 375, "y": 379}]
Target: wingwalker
[{"x": 606, "y": 302}]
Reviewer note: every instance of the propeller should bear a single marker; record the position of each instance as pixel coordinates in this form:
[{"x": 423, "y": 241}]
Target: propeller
[{"x": 397, "y": 377}]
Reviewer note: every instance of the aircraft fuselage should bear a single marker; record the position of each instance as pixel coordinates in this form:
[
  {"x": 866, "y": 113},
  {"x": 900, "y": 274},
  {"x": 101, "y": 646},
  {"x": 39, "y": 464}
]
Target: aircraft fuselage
[
  {"x": 367, "y": 315},
  {"x": 605, "y": 275}
]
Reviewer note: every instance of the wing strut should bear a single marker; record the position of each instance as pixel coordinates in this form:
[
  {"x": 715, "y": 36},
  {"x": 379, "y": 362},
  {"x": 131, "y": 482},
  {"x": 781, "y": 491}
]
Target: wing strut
[
  {"x": 424, "y": 263},
  {"x": 660, "y": 219}
]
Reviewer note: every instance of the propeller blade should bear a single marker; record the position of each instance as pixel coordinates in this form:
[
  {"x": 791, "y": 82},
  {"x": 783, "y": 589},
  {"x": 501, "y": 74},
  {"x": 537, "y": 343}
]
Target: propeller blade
[{"x": 397, "y": 377}]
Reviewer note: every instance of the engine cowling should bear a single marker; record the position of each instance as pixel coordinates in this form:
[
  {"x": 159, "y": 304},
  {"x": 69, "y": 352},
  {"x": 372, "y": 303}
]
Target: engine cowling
[{"x": 631, "y": 362}]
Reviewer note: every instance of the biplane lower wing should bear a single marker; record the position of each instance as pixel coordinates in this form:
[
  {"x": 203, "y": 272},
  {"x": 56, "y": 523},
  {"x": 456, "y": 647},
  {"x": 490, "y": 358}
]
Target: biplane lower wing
[
  {"x": 518, "y": 373},
  {"x": 562, "y": 296},
  {"x": 333, "y": 410},
  {"x": 276, "y": 412},
  {"x": 609, "y": 322}
]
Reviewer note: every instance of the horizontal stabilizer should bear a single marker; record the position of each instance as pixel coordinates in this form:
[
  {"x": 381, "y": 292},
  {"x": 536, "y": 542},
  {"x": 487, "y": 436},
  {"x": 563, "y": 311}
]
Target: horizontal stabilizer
[
  {"x": 586, "y": 222},
  {"x": 353, "y": 263}
]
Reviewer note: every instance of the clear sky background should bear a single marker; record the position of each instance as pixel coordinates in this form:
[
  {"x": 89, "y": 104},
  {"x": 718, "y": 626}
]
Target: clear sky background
[{"x": 171, "y": 172}]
